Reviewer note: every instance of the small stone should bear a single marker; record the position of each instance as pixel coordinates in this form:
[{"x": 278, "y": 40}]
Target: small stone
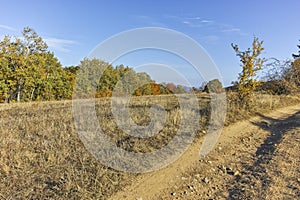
[
  {"x": 173, "y": 193},
  {"x": 191, "y": 187},
  {"x": 229, "y": 171},
  {"x": 222, "y": 168},
  {"x": 236, "y": 173},
  {"x": 205, "y": 180},
  {"x": 220, "y": 148},
  {"x": 209, "y": 161},
  {"x": 203, "y": 131},
  {"x": 228, "y": 168}
]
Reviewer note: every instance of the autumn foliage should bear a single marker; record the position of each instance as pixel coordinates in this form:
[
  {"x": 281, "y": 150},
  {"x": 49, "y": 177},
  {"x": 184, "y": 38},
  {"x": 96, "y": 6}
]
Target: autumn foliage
[
  {"x": 251, "y": 63},
  {"x": 30, "y": 72}
]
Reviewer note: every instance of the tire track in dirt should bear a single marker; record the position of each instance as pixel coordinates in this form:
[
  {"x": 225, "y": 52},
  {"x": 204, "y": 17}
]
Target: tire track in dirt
[
  {"x": 162, "y": 184},
  {"x": 277, "y": 129}
]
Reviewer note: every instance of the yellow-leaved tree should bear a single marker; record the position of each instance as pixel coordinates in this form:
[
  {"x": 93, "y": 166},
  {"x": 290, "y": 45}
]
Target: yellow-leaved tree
[{"x": 251, "y": 63}]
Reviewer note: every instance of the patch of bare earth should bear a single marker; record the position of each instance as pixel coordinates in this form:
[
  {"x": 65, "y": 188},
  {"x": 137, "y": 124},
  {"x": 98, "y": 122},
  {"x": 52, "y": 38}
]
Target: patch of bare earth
[{"x": 254, "y": 159}]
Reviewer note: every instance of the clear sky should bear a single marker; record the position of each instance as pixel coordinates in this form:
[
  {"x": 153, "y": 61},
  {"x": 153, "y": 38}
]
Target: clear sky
[{"x": 73, "y": 28}]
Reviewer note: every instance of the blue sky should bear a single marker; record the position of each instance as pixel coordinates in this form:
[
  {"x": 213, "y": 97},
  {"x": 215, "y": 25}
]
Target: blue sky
[{"x": 73, "y": 28}]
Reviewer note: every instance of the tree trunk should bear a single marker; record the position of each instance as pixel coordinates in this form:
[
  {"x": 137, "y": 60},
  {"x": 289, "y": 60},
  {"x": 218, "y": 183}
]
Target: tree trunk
[
  {"x": 6, "y": 100},
  {"x": 19, "y": 93},
  {"x": 32, "y": 93}
]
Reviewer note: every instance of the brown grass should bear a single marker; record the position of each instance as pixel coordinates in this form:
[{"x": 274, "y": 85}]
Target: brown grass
[
  {"x": 42, "y": 157},
  {"x": 262, "y": 103}
]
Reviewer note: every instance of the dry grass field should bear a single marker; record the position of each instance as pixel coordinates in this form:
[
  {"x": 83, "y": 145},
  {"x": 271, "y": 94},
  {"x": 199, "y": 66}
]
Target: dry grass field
[{"x": 42, "y": 156}]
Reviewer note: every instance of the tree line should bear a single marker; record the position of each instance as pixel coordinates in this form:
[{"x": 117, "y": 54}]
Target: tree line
[
  {"x": 30, "y": 72},
  {"x": 120, "y": 80}
]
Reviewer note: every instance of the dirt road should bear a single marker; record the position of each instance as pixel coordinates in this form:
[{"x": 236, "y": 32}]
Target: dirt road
[{"x": 254, "y": 159}]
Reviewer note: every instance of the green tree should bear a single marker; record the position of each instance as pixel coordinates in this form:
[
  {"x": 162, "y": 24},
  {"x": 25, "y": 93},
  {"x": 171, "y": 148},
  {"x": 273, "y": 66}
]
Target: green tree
[
  {"x": 164, "y": 89},
  {"x": 88, "y": 78},
  {"x": 71, "y": 72},
  {"x": 180, "y": 89},
  {"x": 251, "y": 63},
  {"x": 12, "y": 67},
  {"x": 29, "y": 71},
  {"x": 213, "y": 86},
  {"x": 5, "y": 74}
]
